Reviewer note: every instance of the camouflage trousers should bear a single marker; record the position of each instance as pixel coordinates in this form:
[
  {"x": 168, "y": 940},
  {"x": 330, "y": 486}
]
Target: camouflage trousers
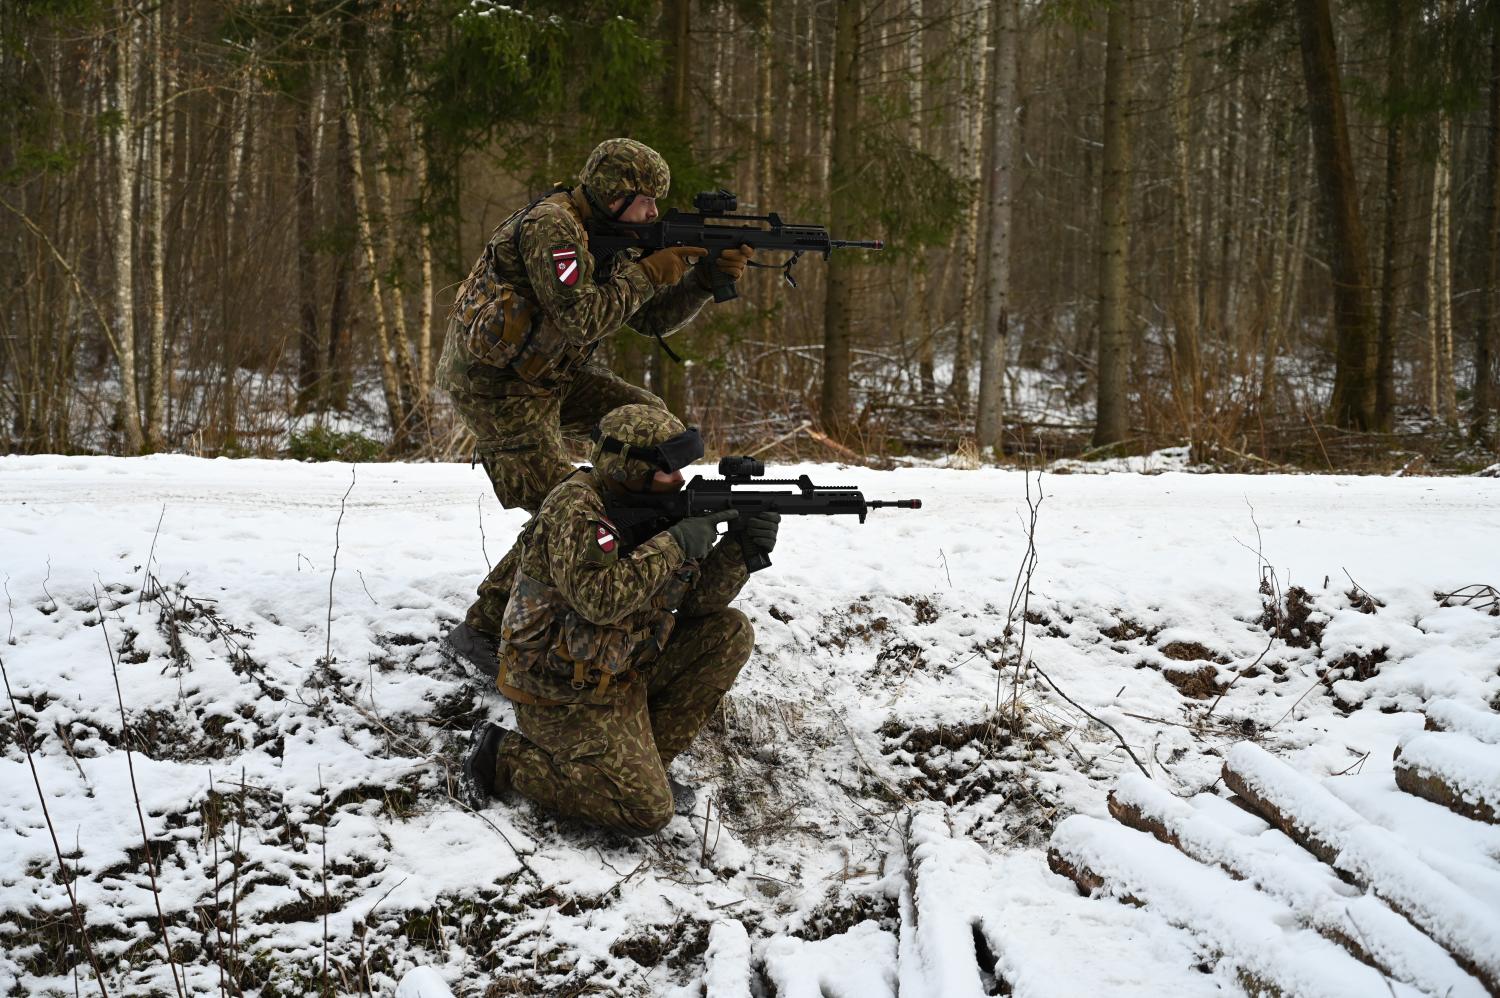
[
  {"x": 519, "y": 441},
  {"x": 607, "y": 764}
]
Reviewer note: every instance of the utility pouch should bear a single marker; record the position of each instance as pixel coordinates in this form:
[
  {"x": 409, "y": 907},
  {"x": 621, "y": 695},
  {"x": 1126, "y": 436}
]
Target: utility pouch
[
  {"x": 529, "y": 614},
  {"x": 591, "y": 649},
  {"x": 500, "y": 326}
]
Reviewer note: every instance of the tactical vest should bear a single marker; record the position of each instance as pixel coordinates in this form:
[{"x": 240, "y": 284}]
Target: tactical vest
[
  {"x": 499, "y": 342},
  {"x": 543, "y": 635}
]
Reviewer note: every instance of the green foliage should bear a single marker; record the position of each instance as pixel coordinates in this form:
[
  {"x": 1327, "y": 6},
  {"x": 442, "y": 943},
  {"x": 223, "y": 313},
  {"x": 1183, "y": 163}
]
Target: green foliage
[
  {"x": 318, "y": 443},
  {"x": 905, "y": 196}
]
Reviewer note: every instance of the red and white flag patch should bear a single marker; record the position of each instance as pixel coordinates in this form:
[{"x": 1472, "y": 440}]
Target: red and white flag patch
[
  {"x": 605, "y": 538},
  {"x": 565, "y": 264}
]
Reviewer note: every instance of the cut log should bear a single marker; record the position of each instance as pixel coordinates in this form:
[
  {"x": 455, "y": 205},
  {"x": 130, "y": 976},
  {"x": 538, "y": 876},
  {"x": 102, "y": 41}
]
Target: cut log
[
  {"x": 1361, "y": 923},
  {"x": 1371, "y": 857},
  {"x": 1451, "y": 715},
  {"x": 1454, "y": 770},
  {"x": 1252, "y": 932}
]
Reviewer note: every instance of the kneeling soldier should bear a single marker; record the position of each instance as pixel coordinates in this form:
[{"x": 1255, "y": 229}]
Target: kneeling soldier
[{"x": 615, "y": 657}]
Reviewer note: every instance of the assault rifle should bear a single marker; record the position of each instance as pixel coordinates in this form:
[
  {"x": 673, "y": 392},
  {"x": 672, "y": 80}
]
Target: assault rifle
[
  {"x": 716, "y": 227},
  {"x": 642, "y": 516}
]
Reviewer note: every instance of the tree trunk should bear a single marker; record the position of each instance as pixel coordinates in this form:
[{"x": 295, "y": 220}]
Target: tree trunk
[
  {"x": 427, "y": 290},
  {"x": 1489, "y": 299},
  {"x": 1392, "y": 271},
  {"x": 129, "y": 412},
  {"x": 390, "y": 380},
  {"x": 995, "y": 334},
  {"x": 843, "y": 191},
  {"x": 971, "y": 145},
  {"x": 340, "y": 312},
  {"x": 1353, "y": 401},
  {"x": 1111, "y": 423},
  {"x": 669, "y": 379},
  {"x": 1187, "y": 371},
  {"x": 310, "y": 356},
  {"x": 918, "y": 322},
  {"x": 156, "y": 163},
  {"x": 1440, "y": 278}
]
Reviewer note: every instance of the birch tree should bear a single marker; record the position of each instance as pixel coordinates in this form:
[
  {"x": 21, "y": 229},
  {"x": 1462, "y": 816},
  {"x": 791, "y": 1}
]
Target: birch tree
[
  {"x": 995, "y": 332},
  {"x": 124, "y": 144}
]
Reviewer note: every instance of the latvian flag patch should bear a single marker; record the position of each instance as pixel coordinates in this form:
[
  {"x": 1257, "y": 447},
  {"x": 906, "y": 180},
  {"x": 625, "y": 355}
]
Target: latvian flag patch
[
  {"x": 606, "y": 538},
  {"x": 565, "y": 264}
]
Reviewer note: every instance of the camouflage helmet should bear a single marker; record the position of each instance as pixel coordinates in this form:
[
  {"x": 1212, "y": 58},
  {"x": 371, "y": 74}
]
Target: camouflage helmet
[
  {"x": 621, "y": 167},
  {"x": 635, "y": 426}
]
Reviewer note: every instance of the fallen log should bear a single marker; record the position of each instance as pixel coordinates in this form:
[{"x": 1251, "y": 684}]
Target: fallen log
[
  {"x": 1370, "y": 857},
  {"x": 1450, "y": 715},
  {"x": 1250, "y": 931},
  {"x": 1454, "y": 770},
  {"x": 1361, "y": 923}
]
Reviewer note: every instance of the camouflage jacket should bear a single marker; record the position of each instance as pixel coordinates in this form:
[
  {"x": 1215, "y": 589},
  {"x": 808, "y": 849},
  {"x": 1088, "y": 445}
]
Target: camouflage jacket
[
  {"x": 580, "y": 610},
  {"x": 537, "y": 274}
]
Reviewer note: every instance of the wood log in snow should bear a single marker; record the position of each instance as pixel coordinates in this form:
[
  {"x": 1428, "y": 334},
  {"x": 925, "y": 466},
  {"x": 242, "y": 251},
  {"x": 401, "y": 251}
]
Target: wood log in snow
[
  {"x": 1371, "y": 857},
  {"x": 1452, "y": 715},
  {"x": 1454, "y": 770},
  {"x": 1361, "y": 923},
  {"x": 1251, "y": 931}
]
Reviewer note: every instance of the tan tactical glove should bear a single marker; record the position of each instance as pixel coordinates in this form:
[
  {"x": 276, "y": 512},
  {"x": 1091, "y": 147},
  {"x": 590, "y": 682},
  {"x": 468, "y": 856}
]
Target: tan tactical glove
[
  {"x": 731, "y": 263},
  {"x": 666, "y": 267}
]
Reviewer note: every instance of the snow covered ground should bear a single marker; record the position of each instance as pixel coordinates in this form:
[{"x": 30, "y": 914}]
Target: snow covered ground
[{"x": 870, "y": 825}]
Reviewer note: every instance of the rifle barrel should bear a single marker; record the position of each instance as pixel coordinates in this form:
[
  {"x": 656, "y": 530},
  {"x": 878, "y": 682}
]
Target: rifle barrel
[
  {"x": 895, "y": 503},
  {"x": 874, "y": 244}
]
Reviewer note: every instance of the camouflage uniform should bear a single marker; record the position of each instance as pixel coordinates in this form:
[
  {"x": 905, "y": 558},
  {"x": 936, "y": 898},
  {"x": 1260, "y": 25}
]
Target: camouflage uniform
[
  {"x": 615, "y": 660},
  {"x": 525, "y": 324}
]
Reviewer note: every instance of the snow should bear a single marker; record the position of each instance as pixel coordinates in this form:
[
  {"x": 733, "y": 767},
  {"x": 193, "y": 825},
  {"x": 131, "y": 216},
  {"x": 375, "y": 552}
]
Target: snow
[{"x": 300, "y": 743}]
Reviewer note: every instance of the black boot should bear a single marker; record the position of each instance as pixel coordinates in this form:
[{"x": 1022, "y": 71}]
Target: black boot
[
  {"x": 482, "y": 776},
  {"x": 481, "y": 651}
]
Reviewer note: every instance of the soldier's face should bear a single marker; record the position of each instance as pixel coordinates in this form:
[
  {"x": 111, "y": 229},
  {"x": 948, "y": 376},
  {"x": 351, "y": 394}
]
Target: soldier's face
[
  {"x": 642, "y": 209},
  {"x": 663, "y": 482}
]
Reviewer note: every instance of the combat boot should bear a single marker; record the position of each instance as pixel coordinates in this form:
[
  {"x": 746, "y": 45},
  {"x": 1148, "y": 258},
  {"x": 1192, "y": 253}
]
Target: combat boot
[
  {"x": 484, "y": 774},
  {"x": 481, "y": 651}
]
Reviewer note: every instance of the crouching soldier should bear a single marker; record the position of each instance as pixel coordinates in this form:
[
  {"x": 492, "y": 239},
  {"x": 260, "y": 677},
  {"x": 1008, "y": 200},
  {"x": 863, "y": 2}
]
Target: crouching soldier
[{"x": 615, "y": 655}]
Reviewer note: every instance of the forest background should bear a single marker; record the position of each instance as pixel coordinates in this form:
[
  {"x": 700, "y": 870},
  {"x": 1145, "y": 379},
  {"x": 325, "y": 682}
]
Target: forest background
[{"x": 1268, "y": 229}]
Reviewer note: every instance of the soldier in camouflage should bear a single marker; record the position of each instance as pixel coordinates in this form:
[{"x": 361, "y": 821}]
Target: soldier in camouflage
[
  {"x": 518, "y": 355},
  {"x": 614, "y": 655}
]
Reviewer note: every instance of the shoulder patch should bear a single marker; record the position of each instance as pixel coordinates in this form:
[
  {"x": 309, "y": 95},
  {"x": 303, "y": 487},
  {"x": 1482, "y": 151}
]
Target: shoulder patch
[
  {"x": 565, "y": 263},
  {"x": 604, "y": 548}
]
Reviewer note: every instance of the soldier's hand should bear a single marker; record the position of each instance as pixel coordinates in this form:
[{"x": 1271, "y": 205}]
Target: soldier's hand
[
  {"x": 665, "y": 267},
  {"x": 696, "y": 534},
  {"x": 760, "y": 530},
  {"x": 731, "y": 263}
]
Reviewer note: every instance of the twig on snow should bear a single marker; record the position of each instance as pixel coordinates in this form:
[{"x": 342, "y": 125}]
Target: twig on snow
[
  {"x": 150, "y": 556},
  {"x": 338, "y": 525},
  {"x": 10, "y": 608},
  {"x": 1086, "y": 711}
]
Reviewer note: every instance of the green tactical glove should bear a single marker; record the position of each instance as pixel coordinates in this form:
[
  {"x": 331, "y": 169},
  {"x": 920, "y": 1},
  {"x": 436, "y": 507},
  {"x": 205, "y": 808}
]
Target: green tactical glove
[
  {"x": 760, "y": 530},
  {"x": 696, "y": 535}
]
